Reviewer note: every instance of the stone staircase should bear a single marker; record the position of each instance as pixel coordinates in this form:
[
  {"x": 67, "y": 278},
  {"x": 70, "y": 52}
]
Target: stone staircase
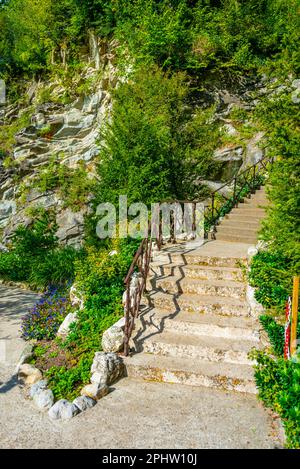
[
  {"x": 196, "y": 328},
  {"x": 242, "y": 223}
]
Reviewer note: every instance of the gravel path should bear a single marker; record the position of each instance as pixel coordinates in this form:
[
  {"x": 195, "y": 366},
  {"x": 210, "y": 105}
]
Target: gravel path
[{"x": 135, "y": 414}]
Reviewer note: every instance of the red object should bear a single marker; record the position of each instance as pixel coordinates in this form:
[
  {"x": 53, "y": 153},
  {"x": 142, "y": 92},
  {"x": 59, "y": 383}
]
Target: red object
[{"x": 287, "y": 329}]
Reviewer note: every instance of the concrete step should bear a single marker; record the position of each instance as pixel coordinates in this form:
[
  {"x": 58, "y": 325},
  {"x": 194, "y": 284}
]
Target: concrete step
[
  {"x": 241, "y": 217},
  {"x": 236, "y": 238},
  {"x": 249, "y": 210},
  {"x": 225, "y": 376},
  {"x": 198, "y": 259},
  {"x": 231, "y": 220},
  {"x": 237, "y": 229},
  {"x": 213, "y": 325},
  {"x": 201, "y": 304},
  {"x": 197, "y": 271},
  {"x": 216, "y": 349},
  {"x": 222, "y": 288}
]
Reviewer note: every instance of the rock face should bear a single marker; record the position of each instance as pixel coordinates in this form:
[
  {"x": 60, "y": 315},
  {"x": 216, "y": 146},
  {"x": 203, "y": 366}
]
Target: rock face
[
  {"x": 29, "y": 374},
  {"x": 64, "y": 328},
  {"x": 109, "y": 366},
  {"x": 68, "y": 131}
]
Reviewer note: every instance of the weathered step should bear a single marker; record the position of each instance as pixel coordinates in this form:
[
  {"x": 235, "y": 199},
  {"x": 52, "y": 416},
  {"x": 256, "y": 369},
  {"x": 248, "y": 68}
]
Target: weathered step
[
  {"x": 198, "y": 259},
  {"x": 241, "y": 217},
  {"x": 222, "y": 288},
  {"x": 249, "y": 210},
  {"x": 235, "y": 222},
  {"x": 198, "y": 271},
  {"x": 236, "y": 238},
  {"x": 213, "y": 325},
  {"x": 237, "y": 229},
  {"x": 177, "y": 370},
  {"x": 206, "y": 348},
  {"x": 192, "y": 303}
]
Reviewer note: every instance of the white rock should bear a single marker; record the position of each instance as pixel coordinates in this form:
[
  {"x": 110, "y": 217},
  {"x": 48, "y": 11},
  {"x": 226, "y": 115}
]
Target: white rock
[
  {"x": 99, "y": 378},
  {"x": 44, "y": 399},
  {"x": 109, "y": 365},
  {"x": 252, "y": 251},
  {"x": 29, "y": 374},
  {"x": 64, "y": 329},
  {"x": 95, "y": 391},
  {"x": 76, "y": 297},
  {"x": 63, "y": 410},
  {"x": 84, "y": 403},
  {"x": 255, "y": 308},
  {"x": 113, "y": 339},
  {"x": 38, "y": 387},
  {"x": 113, "y": 253}
]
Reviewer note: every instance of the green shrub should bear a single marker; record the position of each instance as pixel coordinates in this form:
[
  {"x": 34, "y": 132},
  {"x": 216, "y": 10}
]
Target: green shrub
[
  {"x": 44, "y": 318},
  {"x": 73, "y": 184},
  {"x": 101, "y": 277},
  {"x": 271, "y": 274},
  {"x": 36, "y": 258},
  {"x": 278, "y": 382}
]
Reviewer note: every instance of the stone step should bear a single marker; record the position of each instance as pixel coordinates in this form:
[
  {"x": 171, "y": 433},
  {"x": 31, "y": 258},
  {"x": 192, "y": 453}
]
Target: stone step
[
  {"x": 197, "y": 271},
  {"x": 225, "y": 376},
  {"x": 198, "y": 259},
  {"x": 201, "y": 304},
  {"x": 242, "y": 219},
  {"x": 216, "y": 349},
  {"x": 245, "y": 328},
  {"x": 237, "y": 229},
  {"x": 236, "y": 238},
  {"x": 237, "y": 220},
  {"x": 249, "y": 211},
  {"x": 222, "y": 288}
]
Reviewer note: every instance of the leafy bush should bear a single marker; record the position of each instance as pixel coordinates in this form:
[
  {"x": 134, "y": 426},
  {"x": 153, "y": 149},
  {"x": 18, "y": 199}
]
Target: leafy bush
[
  {"x": 74, "y": 185},
  {"x": 101, "y": 277},
  {"x": 36, "y": 258},
  {"x": 275, "y": 332},
  {"x": 43, "y": 320},
  {"x": 155, "y": 145},
  {"x": 278, "y": 382},
  {"x": 280, "y": 119},
  {"x": 271, "y": 274}
]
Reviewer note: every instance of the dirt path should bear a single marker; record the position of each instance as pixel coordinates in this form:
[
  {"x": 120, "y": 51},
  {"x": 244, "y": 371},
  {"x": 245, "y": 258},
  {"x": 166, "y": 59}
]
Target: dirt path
[{"x": 160, "y": 415}]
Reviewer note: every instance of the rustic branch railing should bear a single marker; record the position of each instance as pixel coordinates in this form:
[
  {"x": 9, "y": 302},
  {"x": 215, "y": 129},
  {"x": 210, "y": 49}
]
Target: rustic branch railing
[{"x": 216, "y": 206}]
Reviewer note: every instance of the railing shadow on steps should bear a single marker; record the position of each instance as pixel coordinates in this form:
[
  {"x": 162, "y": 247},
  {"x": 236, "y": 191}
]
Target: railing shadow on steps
[{"x": 216, "y": 206}]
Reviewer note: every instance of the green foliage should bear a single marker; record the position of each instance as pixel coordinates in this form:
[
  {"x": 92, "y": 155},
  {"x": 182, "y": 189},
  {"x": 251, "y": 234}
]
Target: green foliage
[
  {"x": 36, "y": 258},
  {"x": 280, "y": 118},
  {"x": 181, "y": 34},
  {"x": 275, "y": 332},
  {"x": 278, "y": 382},
  {"x": 66, "y": 383},
  {"x": 73, "y": 184},
  {"x": 101, "y": 277},
  {"x": 154, "y": 147},
  {"x": 8, "y": 132},
  {"x": 44, "y": 318},
  {"x": 271, "y": 274}
]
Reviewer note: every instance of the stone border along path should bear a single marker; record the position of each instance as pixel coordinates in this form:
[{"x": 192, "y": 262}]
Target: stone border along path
[{"x": 161, "y": 415}]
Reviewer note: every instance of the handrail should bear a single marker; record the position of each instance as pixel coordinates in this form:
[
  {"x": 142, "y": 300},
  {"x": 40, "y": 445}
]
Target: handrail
[{"x": 136, "y": 278}]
